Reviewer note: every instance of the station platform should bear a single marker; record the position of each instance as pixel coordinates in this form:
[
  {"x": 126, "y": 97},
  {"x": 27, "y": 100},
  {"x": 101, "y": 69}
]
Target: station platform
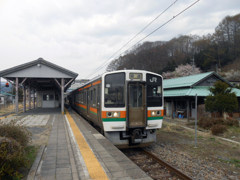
[{"x": 75, "y": 150}]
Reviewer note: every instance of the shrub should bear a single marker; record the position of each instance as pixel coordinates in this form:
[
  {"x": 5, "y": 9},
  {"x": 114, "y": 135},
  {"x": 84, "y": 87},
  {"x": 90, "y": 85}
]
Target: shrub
[
  {"x": 12, "y": 158},
  {"x": 231, "y": 122},
  {"x": 205, "y": 122},
  {"x": 18, "y": 133},
  {"x": 13, "y": 139},
  {"x": 218, "y": 129},
  {"x": 201, "y": 111}
]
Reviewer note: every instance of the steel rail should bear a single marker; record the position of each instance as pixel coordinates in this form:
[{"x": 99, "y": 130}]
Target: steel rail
[{"x": 173, "y": 169}]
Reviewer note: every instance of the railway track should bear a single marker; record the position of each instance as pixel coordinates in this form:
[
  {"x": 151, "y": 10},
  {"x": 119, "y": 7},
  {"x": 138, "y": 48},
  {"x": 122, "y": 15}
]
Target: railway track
[{"x": 153, "y": 166}]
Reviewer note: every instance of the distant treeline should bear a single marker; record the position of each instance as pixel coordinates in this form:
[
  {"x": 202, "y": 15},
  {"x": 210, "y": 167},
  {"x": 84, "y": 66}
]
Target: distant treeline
[{"x": 221, "y": 48}]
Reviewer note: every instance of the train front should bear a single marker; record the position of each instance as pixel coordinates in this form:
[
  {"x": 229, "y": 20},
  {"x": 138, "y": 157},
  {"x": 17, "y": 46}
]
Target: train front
[{"x": 132, "y": 107}]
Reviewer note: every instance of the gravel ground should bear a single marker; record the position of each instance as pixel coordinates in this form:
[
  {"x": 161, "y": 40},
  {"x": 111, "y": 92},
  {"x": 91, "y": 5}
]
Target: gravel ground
[
  {"x": 39, "y": 135},
  {"x": 178, "y": 150}
]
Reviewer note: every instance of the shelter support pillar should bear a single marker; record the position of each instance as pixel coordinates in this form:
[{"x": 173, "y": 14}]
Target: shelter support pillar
[
  {"x": 16, "y": 97},
  {"x": 34, "y": 98},
  {"x": 62, "y": 95},
  {"x": 29, "y": 97},
  {"x": 24, "y": 99},
  {"x": 172, "y": 110},
  {"x": 188, "y": 109}
]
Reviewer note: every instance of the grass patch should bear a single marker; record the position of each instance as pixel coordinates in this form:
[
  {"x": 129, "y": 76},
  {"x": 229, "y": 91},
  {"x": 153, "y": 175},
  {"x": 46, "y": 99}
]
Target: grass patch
[
  {"x": 236, "y": 162},
  {"x": 212, "y": 139},
  {"x": 31, "y": 153}
]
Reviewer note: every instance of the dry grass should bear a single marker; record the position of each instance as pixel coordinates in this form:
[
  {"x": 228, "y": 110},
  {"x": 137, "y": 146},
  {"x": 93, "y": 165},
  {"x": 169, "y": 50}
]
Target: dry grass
[
  {"x": 212, "y": 149},
  {"x": 11, "y": 108}
]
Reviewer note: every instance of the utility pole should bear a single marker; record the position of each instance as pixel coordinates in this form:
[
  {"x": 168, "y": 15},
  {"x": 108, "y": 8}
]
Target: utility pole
[
  {"x": 0, "y": 91},
  {"x": 193, "y": 65}
]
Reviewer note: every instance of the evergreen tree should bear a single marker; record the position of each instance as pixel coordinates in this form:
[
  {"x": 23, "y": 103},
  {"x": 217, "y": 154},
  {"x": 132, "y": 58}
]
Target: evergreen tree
[{"x": 222, "y": 99}]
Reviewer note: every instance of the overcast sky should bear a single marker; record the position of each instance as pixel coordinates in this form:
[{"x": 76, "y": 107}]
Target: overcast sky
[{"x": 80, "y": 35}]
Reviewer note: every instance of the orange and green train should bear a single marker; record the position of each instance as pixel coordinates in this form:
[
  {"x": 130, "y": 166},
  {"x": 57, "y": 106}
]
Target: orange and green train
[{"x": 127, "y": 105}]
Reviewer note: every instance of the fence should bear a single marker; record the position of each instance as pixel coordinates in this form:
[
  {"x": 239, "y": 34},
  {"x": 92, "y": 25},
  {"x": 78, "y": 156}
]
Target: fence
[{"x": 10, "y": 107}]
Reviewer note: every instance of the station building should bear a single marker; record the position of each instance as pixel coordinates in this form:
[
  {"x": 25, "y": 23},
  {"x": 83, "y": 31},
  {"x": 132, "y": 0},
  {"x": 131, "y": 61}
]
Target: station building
[
  {"x": 180, "y": 93},
  {"x": 44, "y": 81}
]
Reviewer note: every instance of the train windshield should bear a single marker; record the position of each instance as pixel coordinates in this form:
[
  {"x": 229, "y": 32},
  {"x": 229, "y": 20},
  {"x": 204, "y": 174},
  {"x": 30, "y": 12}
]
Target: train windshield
[
  {"x": 114, "y": 90},
  {"x": 154, "y": 90}
]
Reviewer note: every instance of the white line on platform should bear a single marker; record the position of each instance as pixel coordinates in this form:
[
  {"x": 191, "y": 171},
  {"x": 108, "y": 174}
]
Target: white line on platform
[{"x": 84, "y": 167}]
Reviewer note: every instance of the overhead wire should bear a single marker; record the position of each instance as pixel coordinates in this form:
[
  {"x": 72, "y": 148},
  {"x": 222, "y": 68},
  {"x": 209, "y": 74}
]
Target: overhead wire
[
  {"x": 147, "y": 35},
  {"x": 132, "y": 38}
]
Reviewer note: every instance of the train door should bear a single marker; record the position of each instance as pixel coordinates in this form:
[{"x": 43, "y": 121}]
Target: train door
[
  {"x": 88, "y": 102},
  {"x": 137, "y": 109},
  {"x": 98, "y": 105}
]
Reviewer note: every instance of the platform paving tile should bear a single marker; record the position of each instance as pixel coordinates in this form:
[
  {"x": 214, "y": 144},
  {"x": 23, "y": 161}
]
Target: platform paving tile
[
  {"x": 107, "y": 159},
  {"x": 119, "y": 174},
  {"x": 113, "y": 166},
  {"x": 136, "y": 173},
  {"x": 63, "y": 170},
  {"x": 67, "y": 176},
  {"x": 63, "y": 165},
  {"x": 47, "y": 162},
  {"x": 48, "y": 177},
  {"x": 56, "y": 161},
  {"x": 127, "y": 165},
  {"x": 48, "y": 172},
  {"x": 123, "y": 178}
]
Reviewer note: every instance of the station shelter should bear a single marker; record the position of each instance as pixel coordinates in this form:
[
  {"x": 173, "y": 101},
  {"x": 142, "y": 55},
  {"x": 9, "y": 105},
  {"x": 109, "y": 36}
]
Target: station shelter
[
  {"x": 180, "y": 93},
  {"x": 44, "y": 81}
]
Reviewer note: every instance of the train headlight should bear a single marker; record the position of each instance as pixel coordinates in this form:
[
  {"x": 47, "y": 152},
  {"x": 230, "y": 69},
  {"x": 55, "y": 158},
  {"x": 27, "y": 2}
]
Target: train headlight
[
  {"x": 158, "y": 113},
  {"x": 113, "y": 114},
  {"x": 109, "y": 114},
  {"x": 153, "y": 113},
  {"x": 116, "y": 114}
]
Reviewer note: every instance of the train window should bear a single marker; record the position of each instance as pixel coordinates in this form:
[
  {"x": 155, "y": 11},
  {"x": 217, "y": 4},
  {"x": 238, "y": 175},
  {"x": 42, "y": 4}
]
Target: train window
[
  {"x": 114, "y": 90},
  {"x": 154, "y": 90},
  {"x": 135, "y": 95}
]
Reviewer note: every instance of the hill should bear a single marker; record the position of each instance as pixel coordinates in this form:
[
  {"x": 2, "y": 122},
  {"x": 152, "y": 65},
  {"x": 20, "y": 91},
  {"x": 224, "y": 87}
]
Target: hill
[{"x": 219, "y": 49}]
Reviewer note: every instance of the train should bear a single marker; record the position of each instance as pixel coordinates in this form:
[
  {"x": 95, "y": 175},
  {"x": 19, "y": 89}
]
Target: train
[{"x": 126, "y": 105}]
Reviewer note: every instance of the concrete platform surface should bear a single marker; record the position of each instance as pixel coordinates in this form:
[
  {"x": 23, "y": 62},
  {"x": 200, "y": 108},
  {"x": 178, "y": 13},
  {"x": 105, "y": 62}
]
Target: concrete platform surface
[{"x": 65, "y": 158}]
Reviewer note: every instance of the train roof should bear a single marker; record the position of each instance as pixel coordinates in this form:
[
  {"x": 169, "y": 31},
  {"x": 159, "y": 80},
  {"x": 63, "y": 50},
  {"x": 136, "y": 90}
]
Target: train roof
[{"x": 118, "y": 71}]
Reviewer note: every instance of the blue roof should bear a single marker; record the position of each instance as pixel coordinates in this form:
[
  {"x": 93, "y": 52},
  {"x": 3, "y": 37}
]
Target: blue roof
[
  {"x": 199, "y": 90},
  {"x": 8, "y": 94},
  {"x": 188, "y": 81}
]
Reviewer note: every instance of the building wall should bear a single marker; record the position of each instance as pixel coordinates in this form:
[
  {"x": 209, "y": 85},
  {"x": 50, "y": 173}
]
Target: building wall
[
  {"x": 209, "y": 81},
  {"x": 40, "y": 102}
]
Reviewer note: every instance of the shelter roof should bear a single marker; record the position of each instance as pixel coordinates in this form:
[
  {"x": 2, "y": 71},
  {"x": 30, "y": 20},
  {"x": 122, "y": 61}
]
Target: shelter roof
[
  {"x": 40, "y": 74},
  {"x": 199, "y": 90},
  {"x": 189, "y": 81},
  {"x": 39, "y": 61}
]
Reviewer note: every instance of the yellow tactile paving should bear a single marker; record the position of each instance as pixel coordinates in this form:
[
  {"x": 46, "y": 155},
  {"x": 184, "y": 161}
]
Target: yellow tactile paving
[
  {"x": 6, "y": 116},
  {"x": 95, "y": 170}
]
